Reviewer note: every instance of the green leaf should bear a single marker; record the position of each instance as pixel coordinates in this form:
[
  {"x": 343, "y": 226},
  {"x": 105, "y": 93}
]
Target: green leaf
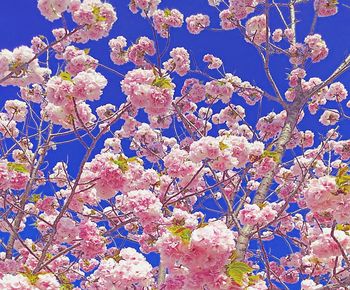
[
  {"x": 33, "y": 278},
  {"x": 17, "y": 167},
  {"x": 35, "y": 197},
  {"x": 87, "y": 50},
  {"x": 182, "y": 232},
  {"x": 167, "y": 12},
  {"x": 236, "y": 271},
  {"x": 343, "y": 180},
  {"x": 223, "y": 146},
  {"x": 65, "y": 76},
  {"x": 253, "y": 279},
  {"x": 272, "y": 154},
  {"x": 342, "y": 227},
  {"x": 122, "y": 163},
  {"x": 96, "y": 11},
  {"x": 162, "y": 82},
  {"x": 134, "y": 159},
  {"x": 66, "y": 287}
]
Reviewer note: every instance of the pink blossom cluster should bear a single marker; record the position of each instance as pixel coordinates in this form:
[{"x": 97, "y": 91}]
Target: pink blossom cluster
[
  {"x": 8, "y": 127},
  {"x": 224, "y": 88},
  {"x": 70, "y": 117},
  {"x": 92, "y": 242},
  {"x": 178, "y": 163},
  {"x": 225, "y": 152},
  {"x": 118, "y": 55},
  {"x": 148, "y": 7},
  {"x": 20, "y": 281},
  {"x": 317, "y": 47},
  {"x": 33, "y": 93},
  {"x": 95, "y": 17},
  {"x": 197, "y": 23},
  {"x": 228, "y": 20},
  {"x": 137, "y": 52},
  {"x": 230, "y": 115},
  {"x": 203, "y": 258},
  {"x": 314, "y": 48},
  {"x": 193, "y": 90},
  {"x": 237, "y": 10},
  {"x": 342, "y": 148},
  {"x": 16, "y": 110},
  {"x": 145, "y": 205},
  {"x": 78, "y": 60},
  {"x": 149, "y": 91},
  {"x": 278, "y": 34},
  {"x": 163, "y": 20},
  {"x": 126, "y": 269},
  {"x": 63, "y": 40},
  {"x": 295, "y": 77},
  {"x": 148, "y": 143},
  {"x": 67, "y": 98},
  {"x": 271, "y": 125},
  {"x": 336, "y": 92},
  {"x": 221, "y": 89},
  {"x": 242, "y": 8},
  {"x": 325, "y": 8},
  {"x": 256, "y": 31},
  {"x": 325, "y": 246},
  {"x": 107, "y": 173},
  {"x": 11, "y": 177},
  {"x": 329, "y": 117},
  {"x": 179, "y": 61},
  {"x": 214, "y": 62},
  {"x": 53, "y": 9},
  {"x": 254, "y": 215},
  {"x": 86, "y": 85},
  {"x": 322, "y": 195},
  {"x": 23, "y": 67},
  {"x": 37, "y": 44}
]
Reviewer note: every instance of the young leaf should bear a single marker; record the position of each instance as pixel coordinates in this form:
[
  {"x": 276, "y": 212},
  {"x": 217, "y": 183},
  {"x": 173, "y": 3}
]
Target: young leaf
[
  {"x": 122, "y": 163},
  {"x": 272, "y": 154},
  {"x": 65, "y": 76},
  {"x": 223, "y": 146},
  {"x": 343, "y": 180},
  {"x": 163, "y": 83},
  {"x": 182, "y": 232},
  {"x": 236, "y": 271},
  {"x": 17, "y": 167}
]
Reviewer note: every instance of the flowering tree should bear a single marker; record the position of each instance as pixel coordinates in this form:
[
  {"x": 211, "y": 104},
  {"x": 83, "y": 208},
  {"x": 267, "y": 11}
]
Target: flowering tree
[{"x": 174, "y": 167}]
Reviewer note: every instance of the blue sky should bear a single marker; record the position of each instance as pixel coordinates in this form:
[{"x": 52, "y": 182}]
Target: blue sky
[{"x": 20, "y": 20}]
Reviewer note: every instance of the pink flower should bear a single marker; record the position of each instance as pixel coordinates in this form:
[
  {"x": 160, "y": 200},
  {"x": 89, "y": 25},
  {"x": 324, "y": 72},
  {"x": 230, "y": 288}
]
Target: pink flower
[
  {"x": 317, "y": 47},
  {"x": 277, "y": 35},
  {"x": 336, "y": 92},
  {"x": 118, "y": 55},
  {"x": 329, "y": 117},
  {"x": 88, "y": 85},
  {"x": 256, "y": 29},
  {"x": 97, "y": 18},
  {"x": 127, "y": 268},
  {"x": 197, "y": 23},
  {"x": 52, "y": 9},
  {"x": 179, "y": 62},
  {"x": 228, "y": 20},
  {"x": 325, "y": 8},
  {"x": 214, "y": 62},
  {"x": 17, "y": 110},
  {"x": 164, "y": 19},
  {"x": 145, "y": 90},
  {"x": 137, "y": 52}
]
